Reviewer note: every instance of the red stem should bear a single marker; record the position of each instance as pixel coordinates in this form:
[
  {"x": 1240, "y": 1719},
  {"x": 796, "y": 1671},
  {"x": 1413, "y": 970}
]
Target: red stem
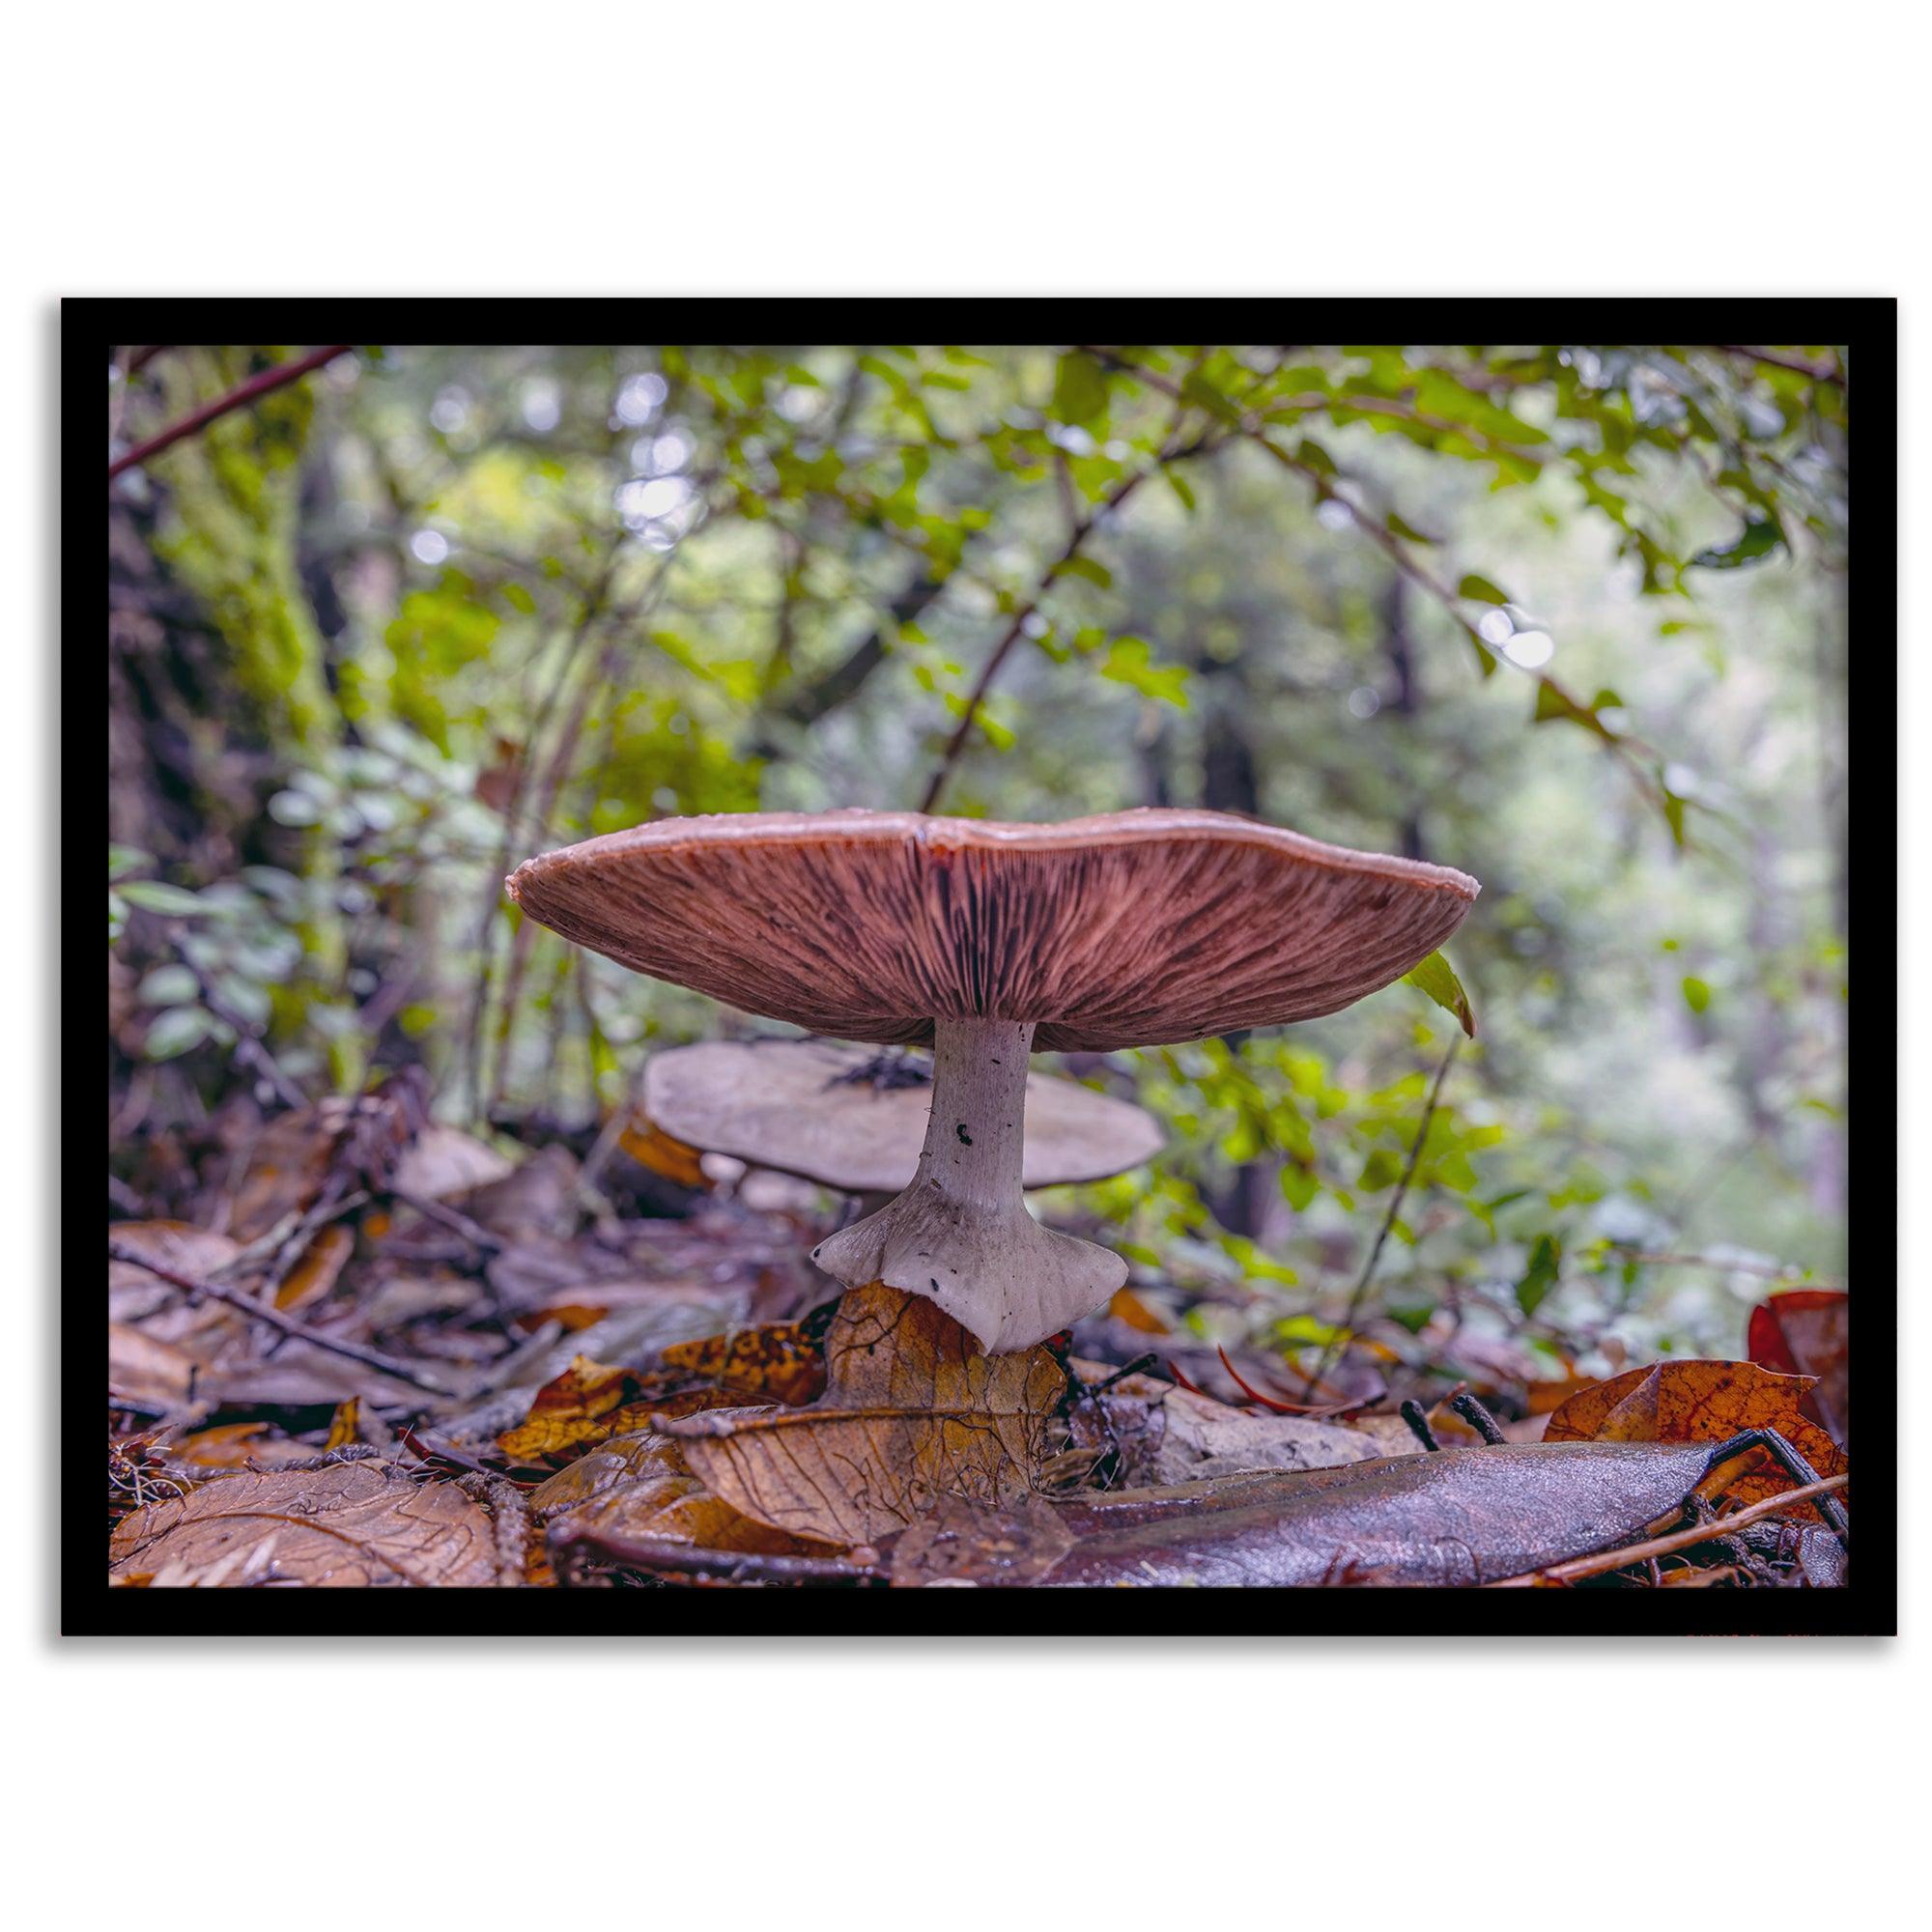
[{"x": 237, "y": 398}]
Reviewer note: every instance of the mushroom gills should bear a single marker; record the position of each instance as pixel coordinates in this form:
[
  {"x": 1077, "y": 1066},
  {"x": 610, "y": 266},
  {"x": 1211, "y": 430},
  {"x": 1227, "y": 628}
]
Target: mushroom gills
[{"x": 960, "y": 1234}]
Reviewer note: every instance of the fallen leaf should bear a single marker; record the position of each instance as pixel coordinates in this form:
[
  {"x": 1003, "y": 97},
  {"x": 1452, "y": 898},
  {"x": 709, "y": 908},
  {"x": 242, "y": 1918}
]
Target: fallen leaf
[
  {"x": 961, "y": 1543},
  {"x": 1127, "y": 1306},
  {"x": 577, "y": 1408},
  {"x": 155, "y": 1373},
  {"x": 778, "y": 1361},
  {"x": 638, "y": 1487},
  {"x": 1455, "y": 1518},
  {"x": 1700, "y": 1402},
  {"x": 1807, "y": 1331},
  {"x": 173, "y": 1244},
  {"x": 1204, "y": 1437},
  {"x": 238, "y": 1445},
  {"x": 912, "y": 1412},
  {"x": 317, "y": 1271},
  {"x": 1113, "y": 1434},
  {"x": 444, "y": 1160},
  {"x": 656, "y": 1151},
  {"x": 537, "y": 1199},
  {"x": 348, "y": 1524}
]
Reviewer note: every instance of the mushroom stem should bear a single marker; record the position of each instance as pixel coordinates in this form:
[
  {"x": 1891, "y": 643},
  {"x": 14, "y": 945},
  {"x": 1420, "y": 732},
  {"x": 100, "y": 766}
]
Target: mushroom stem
[{"x": 960, "y": 1234}]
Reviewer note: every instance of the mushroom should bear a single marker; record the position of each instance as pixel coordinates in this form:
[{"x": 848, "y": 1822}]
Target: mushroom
[
  {"x": 853, "y": 1118},
  {"x": 1132, "y": 929}
]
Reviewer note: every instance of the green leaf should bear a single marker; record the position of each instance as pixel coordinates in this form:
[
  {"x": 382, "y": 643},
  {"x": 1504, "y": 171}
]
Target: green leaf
[
  {"x": 1758, "y": 543},
  {"x": 1545, "y": 1261},
  {"x": 1085, "y": 566},
  {"x": 152, "y": 895},
  {"x": 124, "y": 859},
  {"x": 1181, "y": 488},
  {"x": 1436, "y": 977},
  {"x": 1697, "y": 993},
  {"x": 169, "y": 987},
  {"x": 1482, "y": 589},
  {"x": 1401, "y": 527},
  {"x": 1079, "y": 388},
  {"x": 1299, "y": 1185},
  {"x": 1129, "y": 662},
  {"x": 176, "y": 1030}
]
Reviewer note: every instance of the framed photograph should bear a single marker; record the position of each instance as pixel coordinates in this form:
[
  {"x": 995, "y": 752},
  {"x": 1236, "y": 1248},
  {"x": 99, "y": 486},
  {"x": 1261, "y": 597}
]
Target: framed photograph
[{"x": 769, "y": 980}]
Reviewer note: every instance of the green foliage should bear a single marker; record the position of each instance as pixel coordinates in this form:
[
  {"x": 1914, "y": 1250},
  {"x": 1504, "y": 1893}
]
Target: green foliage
[
  {"x": 582, "y": 588},
  {"x": 1436, "y": 977}
]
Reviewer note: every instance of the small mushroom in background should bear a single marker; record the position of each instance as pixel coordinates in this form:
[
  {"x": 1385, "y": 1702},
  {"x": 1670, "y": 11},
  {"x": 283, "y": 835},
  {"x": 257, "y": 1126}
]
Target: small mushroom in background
[
  {"x": 854, "y": 1117},
  {"x": 1133, "y": 928}
]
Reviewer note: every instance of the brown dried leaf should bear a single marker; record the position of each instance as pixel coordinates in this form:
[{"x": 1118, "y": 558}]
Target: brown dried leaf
[
  {"x": 778, "y": 1361},
  {"x": 577, "y": 1408},
  {"x": 174, "y": 1244},
  {"x": 240, "y": 1445},
  {"x": 287, "y": 1167},
  {"x": 637, "y": 1487},
  {"x": 1700, "y": 1402},
  {"x": 148, "y": 1371},
  {"x": 656, "y": 1151},
  {"x": 1807, "y": 1331},
  {"x": 317, "y": 1271},
  {"x": 912, "y": 1412},
  {"x": 1127, "y": 1306},
  {"x": 348, "y": 1524}
]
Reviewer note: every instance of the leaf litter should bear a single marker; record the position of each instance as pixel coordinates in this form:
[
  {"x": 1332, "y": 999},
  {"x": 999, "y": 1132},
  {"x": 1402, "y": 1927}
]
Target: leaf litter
[{"x": 400, "y": 1355}]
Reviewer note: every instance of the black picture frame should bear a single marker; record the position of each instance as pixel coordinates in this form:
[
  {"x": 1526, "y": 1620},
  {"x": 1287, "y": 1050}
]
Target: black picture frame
[{"x": 1867, "y": 327}]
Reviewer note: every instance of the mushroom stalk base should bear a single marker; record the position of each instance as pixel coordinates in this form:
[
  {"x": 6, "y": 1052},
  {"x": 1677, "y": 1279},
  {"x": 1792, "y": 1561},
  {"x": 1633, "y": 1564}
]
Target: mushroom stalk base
[{"x": 960, "y": 1234}]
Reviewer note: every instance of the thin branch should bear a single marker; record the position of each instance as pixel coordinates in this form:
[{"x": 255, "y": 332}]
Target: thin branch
[
  {"x": 1718, "y": 1527},
  {"x": 1083, "y": 528},
  {"x": 1772, "y": 358},
  {"x": 237, "y": 398},
  {"x": 726, "y": 1565},
  {"x": 1340, "y": 1338},
  {"x": 372, "y": 1358}
]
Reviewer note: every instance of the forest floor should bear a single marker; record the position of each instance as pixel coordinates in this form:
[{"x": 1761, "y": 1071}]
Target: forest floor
[{"x": 350, "y": 1347}]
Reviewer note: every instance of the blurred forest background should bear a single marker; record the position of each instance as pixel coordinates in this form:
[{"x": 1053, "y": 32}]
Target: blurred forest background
[{"x": 1568, "y": 617}]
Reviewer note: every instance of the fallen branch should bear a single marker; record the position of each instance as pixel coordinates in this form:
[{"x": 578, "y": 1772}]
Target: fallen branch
[
  {"x": 729, "y": 1566},
  {"x": 1718, "y": 1527},
  {"x": 237, "y": 398},
  {"x": 371, "y": 1358}
]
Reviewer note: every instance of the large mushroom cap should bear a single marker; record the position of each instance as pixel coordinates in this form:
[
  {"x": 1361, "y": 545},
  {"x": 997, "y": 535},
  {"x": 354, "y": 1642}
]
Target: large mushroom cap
[
  {"x": 1134, "y": 929},
  {"x": 835, "y": 1114}
]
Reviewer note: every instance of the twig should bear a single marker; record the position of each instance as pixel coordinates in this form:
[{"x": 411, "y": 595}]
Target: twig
[
  {"x": 1412, "y": 1412},
  {"x": 990, "y": 670},
  {"x": 1775, "y": 1273},
  {"x": 1721, "y": 1527},
  {"x": 1819, "y": 372},
  {"x": 300, "y": 1331},
  {"x": 284, "y": 1243},
  {"x": 237, "y": 398},
  {"x": 476, "y": 1235},
  {"x": 1083, "y": 529},
  {"x": 1338, "y": 1339},
  {"x": 732, "y": 1566},
  {"x": 1478, "y": 1418}
]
